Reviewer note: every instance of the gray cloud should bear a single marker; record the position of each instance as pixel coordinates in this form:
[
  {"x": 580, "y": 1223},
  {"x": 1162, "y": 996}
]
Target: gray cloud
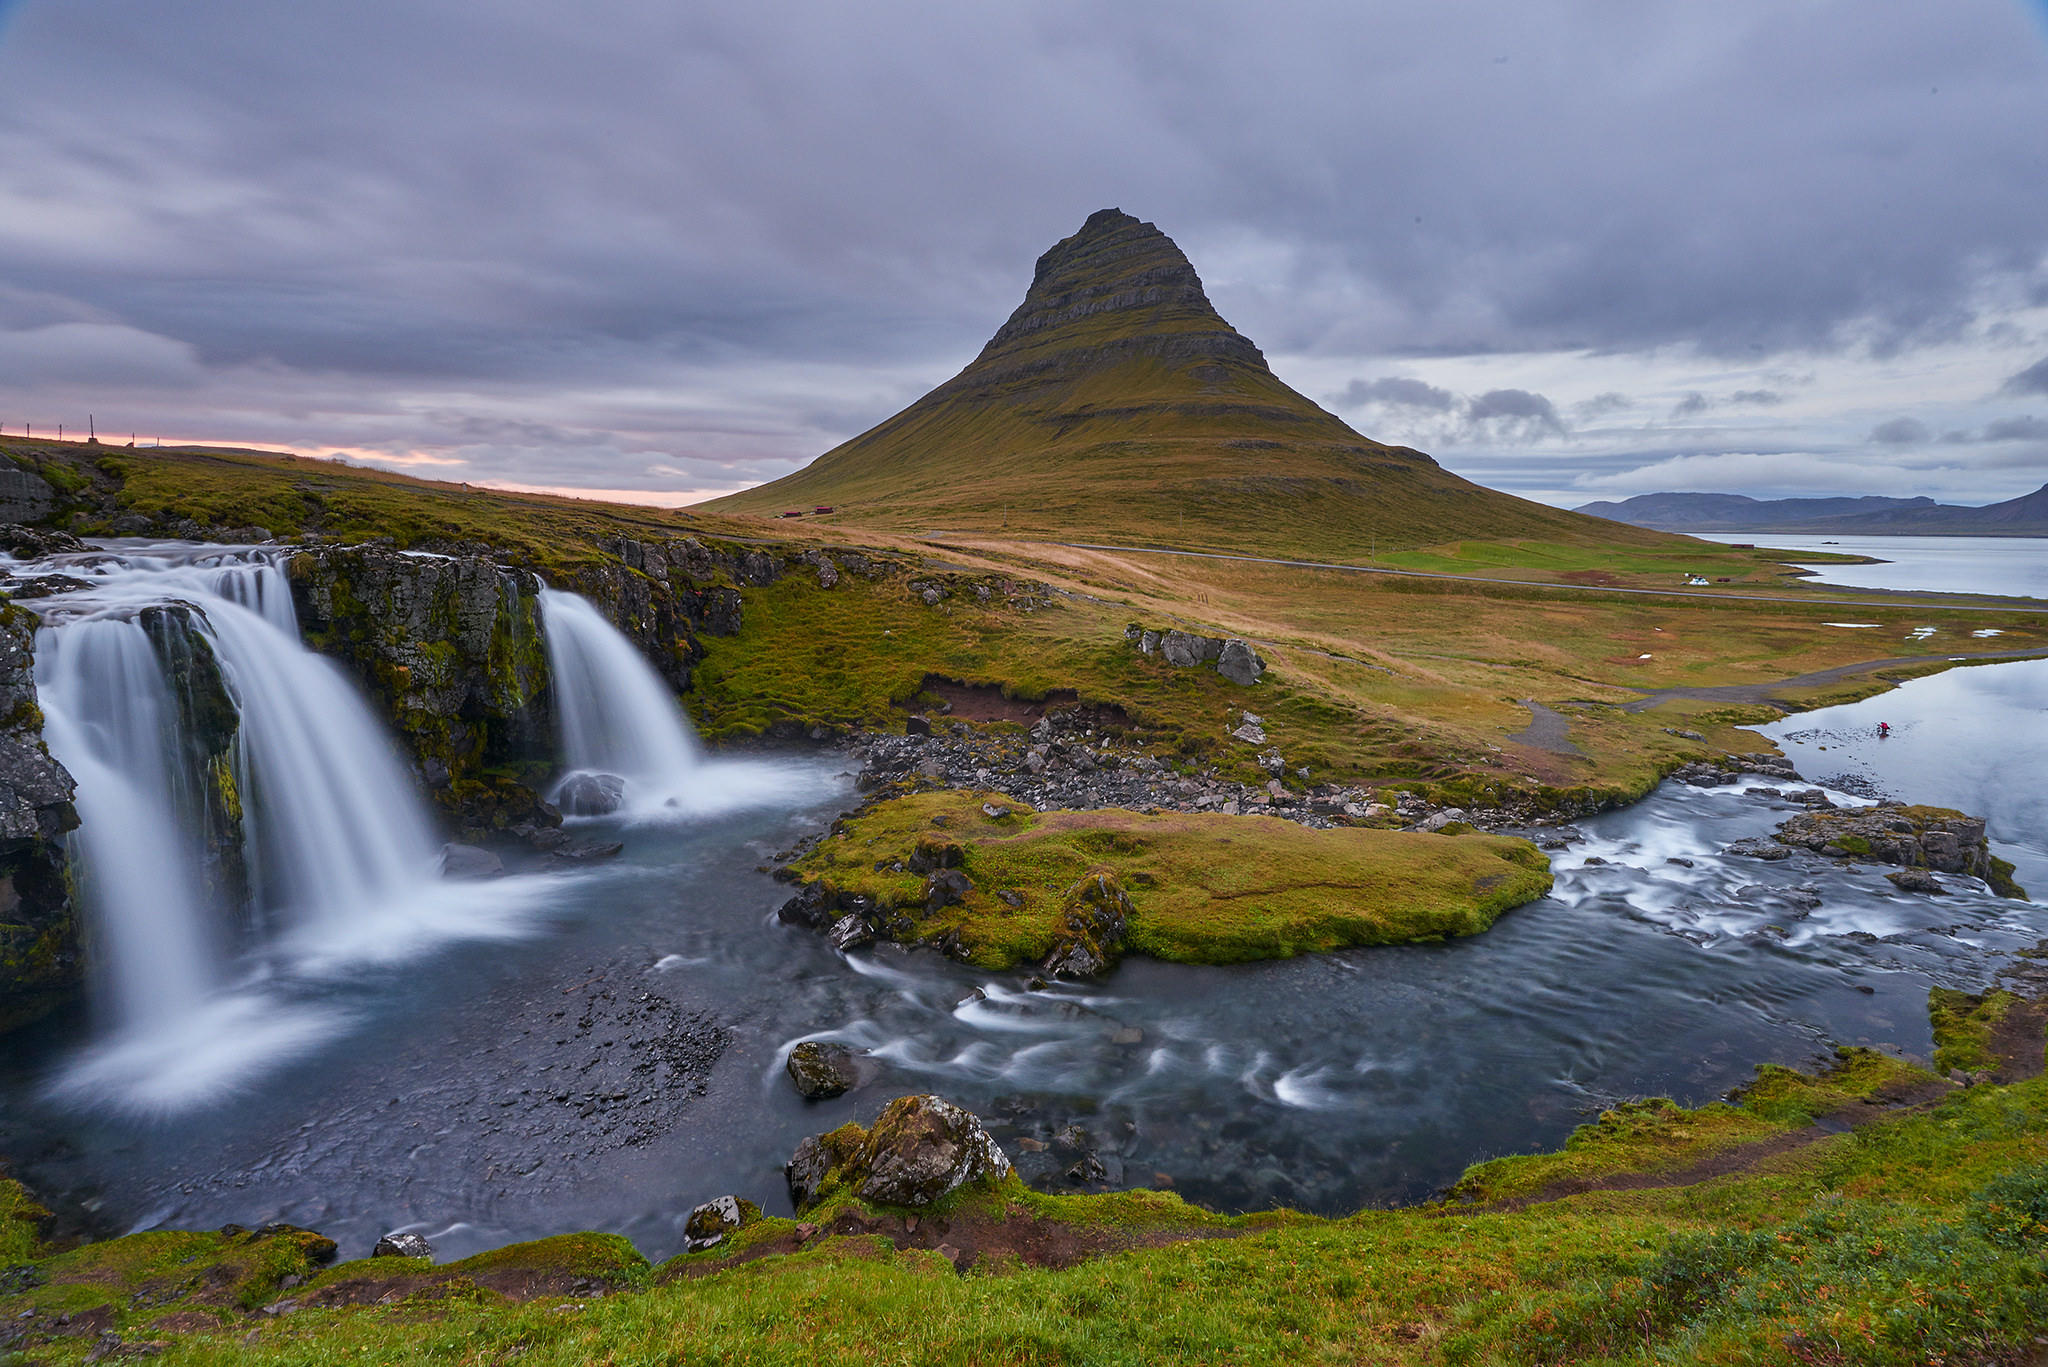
[
  {"x": 1757, "y": 398},
  {"x": 1517, "y": 411},
  {"x": 1602, "y": 404},
  {"x": 2028, "y": 428},
  {"x": 1397, "y": 392},
  {"x": 2032, "y": 380},
  {"x": 1900, "y": 432},
  {"x": 1694, "y": 402}
]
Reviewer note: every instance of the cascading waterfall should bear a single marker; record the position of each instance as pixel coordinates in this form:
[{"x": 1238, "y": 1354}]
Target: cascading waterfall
[
  {"x": 108, "y": 718},
  {"x": 625, "y": 736},
  {"x": 617, "y": 716},
  {"x": 339, "y": 850}
]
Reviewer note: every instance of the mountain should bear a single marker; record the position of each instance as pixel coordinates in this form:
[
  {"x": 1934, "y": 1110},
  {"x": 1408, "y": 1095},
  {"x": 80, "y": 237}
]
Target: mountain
[
  {"x": 1117, "y": 405},
  {"x": 2026, "y": 515}
]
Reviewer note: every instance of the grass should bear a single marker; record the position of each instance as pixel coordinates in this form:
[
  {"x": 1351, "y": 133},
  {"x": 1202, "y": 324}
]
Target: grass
[
  {"x": 1916, "y": 1239},
  {"x": 1963, "y": 1025},
  {"x": 1204, "y": 888}
]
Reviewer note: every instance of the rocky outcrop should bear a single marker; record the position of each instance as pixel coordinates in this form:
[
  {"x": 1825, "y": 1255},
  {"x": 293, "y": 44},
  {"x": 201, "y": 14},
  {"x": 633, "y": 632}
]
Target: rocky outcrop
[
  {"x": 1088, "y": 936},
  {"x": 40, "y": 959},
  {"x": 1932, "y": 839},
  {"x": 208, "y": 721},
  {"x": 449, "y": 649},
  {"x": 919, "y": 1149},
  {"x": 1233, "y": 657}
]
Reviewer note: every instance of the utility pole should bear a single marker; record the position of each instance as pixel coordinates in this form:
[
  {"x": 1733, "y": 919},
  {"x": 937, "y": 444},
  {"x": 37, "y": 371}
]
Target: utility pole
[{"x": 92, "y": 433}]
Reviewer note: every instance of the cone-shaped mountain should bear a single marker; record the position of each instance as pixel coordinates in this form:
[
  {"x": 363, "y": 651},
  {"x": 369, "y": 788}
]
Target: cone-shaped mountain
[{"x": 1117, "y": 405}]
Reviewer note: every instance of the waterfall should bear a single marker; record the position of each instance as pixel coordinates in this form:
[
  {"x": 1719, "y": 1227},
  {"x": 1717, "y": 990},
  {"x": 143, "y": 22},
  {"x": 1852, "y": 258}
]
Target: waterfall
[
  {"x": 335, "y": 830},
  {"x": 338, "y": 847},
  {"x": 108, "y": 718},
  {"x": 617, "y": 716},
  {"x": 625, "y": 738}
]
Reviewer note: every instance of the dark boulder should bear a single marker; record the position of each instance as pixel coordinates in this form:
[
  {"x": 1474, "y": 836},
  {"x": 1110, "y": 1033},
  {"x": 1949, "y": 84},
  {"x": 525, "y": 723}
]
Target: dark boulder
[
  {"x": 1916, "y": 880},
  {"x": 1936, "y": 839},
  {"x": 821, "y": 1071},
  {"x": 1757, "y": 847},
  {"x": 946, "y": 888},
  {"x": 850, "y": 932},
  {"x": 811, "y": 907},
  {"x": 590, "y": 794}
]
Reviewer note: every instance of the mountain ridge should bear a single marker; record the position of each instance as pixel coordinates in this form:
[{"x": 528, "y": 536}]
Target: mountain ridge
[{"x": 1870, "y": 515}]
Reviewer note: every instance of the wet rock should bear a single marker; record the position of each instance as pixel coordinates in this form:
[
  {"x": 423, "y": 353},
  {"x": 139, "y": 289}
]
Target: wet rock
[
  {"x": 1916, "y": 880},
  {"x": 850, "y": 932},
  {"x": 402, "y": 1245},
  {"x": 820, "y": 1071},
  {"x": 917, "y": 726},
  {"x": 810, "y": 907},
  {"x": 1936, "y": 839},
  {"x": 1759, "y": 847},
  {"x": 469, "y": 861},
  {"x": 710, "y": 1223},
  {"x": 1703, "y": 775},
  {"x": 1682, "y": 862},
  {"x": 1089, "y": 934},
  {"x": 41, "y": 958},
  {"x": 590, "y": 794}
]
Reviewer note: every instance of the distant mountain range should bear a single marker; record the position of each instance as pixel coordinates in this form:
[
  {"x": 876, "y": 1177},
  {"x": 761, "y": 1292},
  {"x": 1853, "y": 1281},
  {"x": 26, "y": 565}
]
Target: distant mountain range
[{"x": 2026, "y": 515}]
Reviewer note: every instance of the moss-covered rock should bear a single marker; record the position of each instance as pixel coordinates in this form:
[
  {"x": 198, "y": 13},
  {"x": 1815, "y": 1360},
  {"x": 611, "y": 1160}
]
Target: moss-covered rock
[
  {"x": 919, "y": 1149},
  {"x": 1938, "y": 839}
]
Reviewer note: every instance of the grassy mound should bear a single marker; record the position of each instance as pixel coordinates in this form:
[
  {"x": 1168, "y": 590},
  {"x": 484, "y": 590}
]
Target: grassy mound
[{"x": 1205, "y": 888}]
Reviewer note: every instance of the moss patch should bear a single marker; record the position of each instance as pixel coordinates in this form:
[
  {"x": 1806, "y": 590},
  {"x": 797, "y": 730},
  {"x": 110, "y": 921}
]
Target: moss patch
[{"x": 1204, "y": 888}]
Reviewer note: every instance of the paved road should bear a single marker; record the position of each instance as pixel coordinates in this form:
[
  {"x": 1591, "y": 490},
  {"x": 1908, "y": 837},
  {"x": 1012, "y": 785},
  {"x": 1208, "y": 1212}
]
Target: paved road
[{"x": 1915, "y": 600}]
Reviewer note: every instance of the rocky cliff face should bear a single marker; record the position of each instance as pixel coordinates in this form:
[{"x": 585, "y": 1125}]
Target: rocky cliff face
[{"x": 40, "y": 954}]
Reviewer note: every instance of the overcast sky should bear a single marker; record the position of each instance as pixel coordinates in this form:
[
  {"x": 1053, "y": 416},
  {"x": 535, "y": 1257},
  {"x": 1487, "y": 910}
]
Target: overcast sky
[{"x": 667, "y": 249}]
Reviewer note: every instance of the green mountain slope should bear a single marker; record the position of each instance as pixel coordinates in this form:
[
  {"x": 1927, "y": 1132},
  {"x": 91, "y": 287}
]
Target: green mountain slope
[{"x": 1117, "y": 405}]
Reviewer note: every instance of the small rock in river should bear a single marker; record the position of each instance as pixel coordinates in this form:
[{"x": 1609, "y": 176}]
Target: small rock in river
[
  {"x": 822, "y": 1070},
  {"x": 402, "y": 1245},
  {"x": 590, "y": 794}
]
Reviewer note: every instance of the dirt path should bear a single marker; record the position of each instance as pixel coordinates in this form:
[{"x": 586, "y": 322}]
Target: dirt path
[
  {"x": 1547, "y": 730},
  {"x": 1766, "y": 692}
]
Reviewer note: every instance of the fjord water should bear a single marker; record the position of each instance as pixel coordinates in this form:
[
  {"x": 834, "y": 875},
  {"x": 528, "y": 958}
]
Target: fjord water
[{"x": 2015, "y": 566}]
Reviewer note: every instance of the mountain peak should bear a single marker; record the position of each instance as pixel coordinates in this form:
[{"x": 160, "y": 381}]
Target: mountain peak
[
  {"x": 1116, "y": 404},
  {"x": 1117, "y": 281}
]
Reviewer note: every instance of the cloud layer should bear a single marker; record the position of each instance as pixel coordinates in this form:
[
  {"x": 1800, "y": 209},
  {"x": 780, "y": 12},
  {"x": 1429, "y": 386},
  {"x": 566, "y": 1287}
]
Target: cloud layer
[{"x": 636, "y": 245}]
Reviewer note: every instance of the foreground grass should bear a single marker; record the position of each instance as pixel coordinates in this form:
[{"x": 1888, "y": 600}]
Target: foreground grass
[
  {"x": 1918, "y": 1238},
  {"x": 1204, "y": 888}
]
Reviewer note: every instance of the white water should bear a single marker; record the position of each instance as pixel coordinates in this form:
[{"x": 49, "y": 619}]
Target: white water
[
  {"x": 619, "y": 717},
  {"x": 340, "y": 852},
  {"x": 108, "y": 719}
]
